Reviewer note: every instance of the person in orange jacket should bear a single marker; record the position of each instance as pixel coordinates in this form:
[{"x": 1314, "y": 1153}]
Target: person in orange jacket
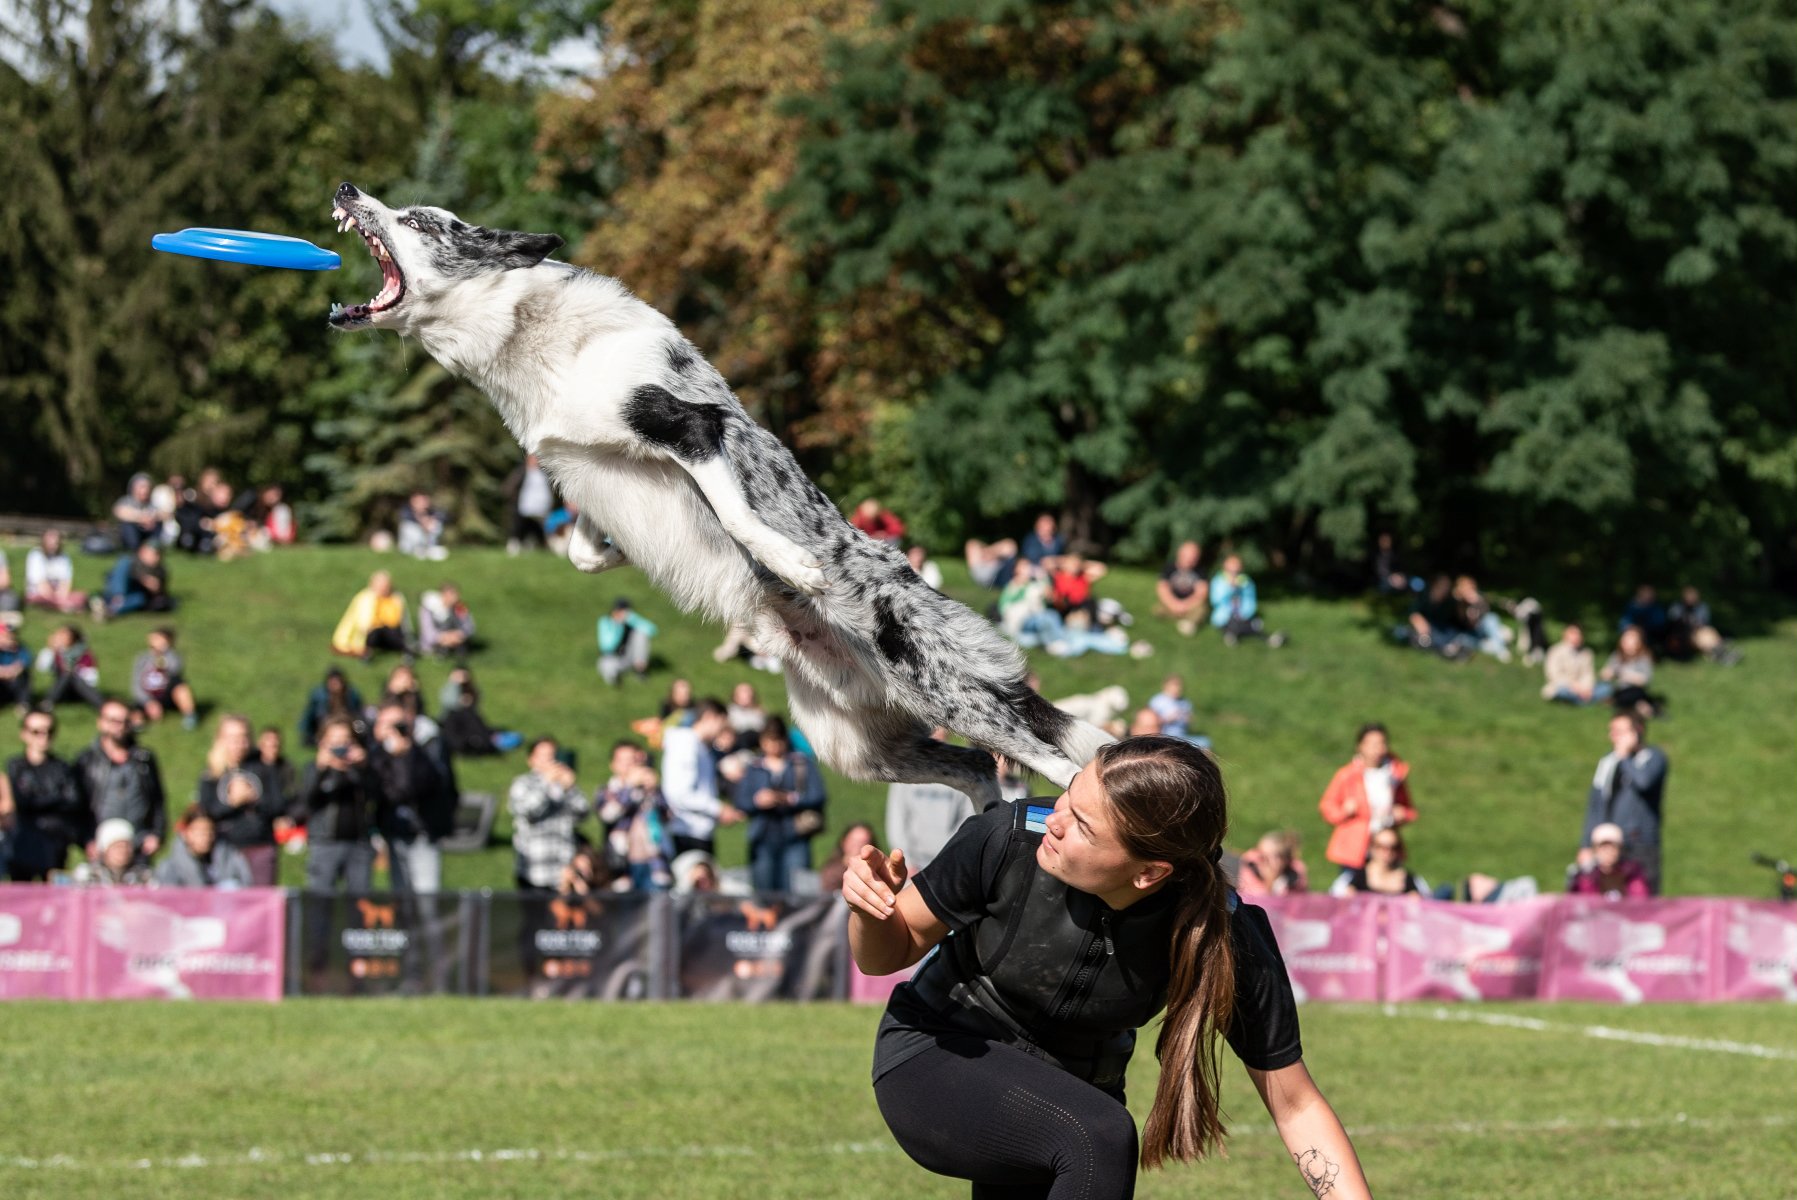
[{"x": 1367, "y": 795}]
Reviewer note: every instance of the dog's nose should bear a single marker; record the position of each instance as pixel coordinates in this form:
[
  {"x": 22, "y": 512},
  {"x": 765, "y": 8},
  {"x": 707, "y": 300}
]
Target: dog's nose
[{"x": 347, "y": 191}]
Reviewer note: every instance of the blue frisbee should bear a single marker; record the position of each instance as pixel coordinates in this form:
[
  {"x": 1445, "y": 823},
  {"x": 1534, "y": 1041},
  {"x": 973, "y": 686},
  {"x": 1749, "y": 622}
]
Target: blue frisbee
[{"x": 248, "y": 246}]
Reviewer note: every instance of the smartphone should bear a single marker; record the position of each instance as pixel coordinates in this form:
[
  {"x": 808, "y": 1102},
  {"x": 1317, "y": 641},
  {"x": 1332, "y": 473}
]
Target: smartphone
[{"x": 566, "y": 757}]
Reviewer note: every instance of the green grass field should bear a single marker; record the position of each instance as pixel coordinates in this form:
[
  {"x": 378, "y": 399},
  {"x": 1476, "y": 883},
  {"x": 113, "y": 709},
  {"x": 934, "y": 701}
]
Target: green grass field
[
  {"x": 1498, "y": 775},
  {"x": 465, "y": 1098}
]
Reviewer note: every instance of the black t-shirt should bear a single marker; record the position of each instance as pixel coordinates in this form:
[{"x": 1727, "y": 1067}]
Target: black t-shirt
[
  {"x": 967, "y": 881},
  {"x": 1182, "y": 582}
]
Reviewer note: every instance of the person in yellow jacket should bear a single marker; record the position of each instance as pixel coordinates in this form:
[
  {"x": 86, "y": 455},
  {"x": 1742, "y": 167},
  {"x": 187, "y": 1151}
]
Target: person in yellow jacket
[{"x": 376, "y": 619}]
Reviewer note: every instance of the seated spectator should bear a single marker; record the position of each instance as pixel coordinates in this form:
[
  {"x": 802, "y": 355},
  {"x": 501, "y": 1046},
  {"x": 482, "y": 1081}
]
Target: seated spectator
[
  {"x": 11, "y": 604},
  {"x": 926, "y": 569},
  {"x": 464, "y": 729},
  {"x": 624, "y": 637},
  {"x": 558, "y": 527},
  {"x": 445, "y": 626},
  {"x": 50, "y": 576},
  {"x": 1024, "y": 613},
  {"x": 1476, "y": 614},
  {"x": 547, "y": 807},
  {"x": 532, "y": 498},
  {"x": 50, "y": 812},
  {"x": 1235, "y": 608},
  {"x": 166, "y": 498},
  {"x": 1479, "y": 888},
  {"x": 232, "y": 532},
  {"x": 637, "y": 820},
  {"x": 1273, "y": 867},
  {"x": 197, "y": 859},
  {"x": 921, "y": 817},
  {"x": 1609, "y": 873},
  {"x": 116, "y": 862},
  {"x": 1182, "y": 592},
  {"x": 421, "y": 528},
  {"x": 402, "y": 688},
  {"x": 246, "y": 799},
  {"x": 71, "y": 667},
  {"x": 1629, "y": 670},
  {"x": 1070, "y": 580},
  {"x": 1145, "y": 723},
  {"x": 269, "y": 517},
  {"x": 695, "y": 872},
  {"x": 139, "y": 522},
  {"x": 1175, "y": 711},
  {"x": 1043, "y": 541},
  {"x": 677, "y": 705},
  {"x": 1435, "y": 624},
  {"x": 138, "y": 582},
  {"x": 782, "y": 794},
  {"x": 1645, "y": 612},
  {"x": 15, "y": 669},
  {"x": 1571, "y": 673},
  {"x": 746, "y": 714},
  {"x": 336, "y": 696},
  {"x": 1389, "y": 576},
  {"x": 1385, "y": 872},
  {"x": 195, "y": 511},
  {"x": 848, "y": 848},
  {"x": 591, "y": 874},
  {"x": 341, "y": 797},
  {"x": 1690, "y": 630},
  {"x": 877, "y": 521},
  {"x": 376, "y": 619},
  {"x": 989, "y": 563},
  {"x": 1369, "y": 794},
  {"x": 159, "y": 681}
]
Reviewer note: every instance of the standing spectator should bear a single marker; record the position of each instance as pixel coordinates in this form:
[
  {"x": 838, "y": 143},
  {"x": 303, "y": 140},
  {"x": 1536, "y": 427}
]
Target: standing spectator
[
  {"x": 198, "y": 859},
  {"x": 116, "y": 861},
  {"x": 71, "y": 666},
  {"x": 1645, "y": 612},
  {"x": 49, "y": 810},
  {"x": 341, "y": 797},
  {"x": 1369, "y": 794},
  {"x": 138, "y": 582},
  {"x": 782, "y": 792},
  {"x": 1043, "y": 541},
  {"x": 271, "y": 753},
  {"x": 50, "y": 576},
  {"x": 848, "y": 848},
  {"x": 532, "y": 499},
  {"x": 421, "y": 527},
  {"x": 376, "y": 619},
  {"x": 1182, "y": 592},
  {"x": 989, "y": 563},
  {"x": 636, "y": 819},
  {"x": 1629, "y": 670},
  {"x": 689, "y": 778},
  {"x": 877, "y": 521},
  {"x": 445, "y": 625},
  {"x": 624, "y": 637},
  {"x": 1385, "y": 873},
  {"x": 336, "y": 696},
  {"x": 547, "y": 808},
  {"x": 1235, "y": 606},
  {"x": 15, "y": 669},
  {"x": 122, "y": 779},
  {"x": 1571, "y": 675},
  {"x": 1273, "y": 867},
  {"x": 926, "y": 568},
  {"x": 921, "y": 817},
  {"x": 139, "y": 522},
  {"x": 1629, "y": 790},
  {"x": 746, "y": 714},
  {"x": 1175, "y": 711},
  {"x": 1389, "y": 576},
  {"x": 419, "y": 802},
  {"x": 1610, "y": 873},
  {"x": 244, "y": 799},
  {"x": 159, "y": 680}
]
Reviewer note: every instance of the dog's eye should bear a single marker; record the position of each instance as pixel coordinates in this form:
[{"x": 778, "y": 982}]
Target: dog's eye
[{"x": 413, "y": 223}]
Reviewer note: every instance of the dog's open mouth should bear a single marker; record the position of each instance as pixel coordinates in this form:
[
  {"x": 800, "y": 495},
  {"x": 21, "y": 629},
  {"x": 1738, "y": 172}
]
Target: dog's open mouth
[{"x": 393, "y": 283}]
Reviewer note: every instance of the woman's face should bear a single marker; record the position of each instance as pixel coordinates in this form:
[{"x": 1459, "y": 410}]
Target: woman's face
[
  {"x": 680, "y": 692},
  {"x": 1374, "y": 747},
  {"x": 234, "y": 740},
  {"x": 1629, "y": 645},
  {"x": 199, "y": 836},
  {"x": 270, "y": 745},
  {"x": 1388, "y": 849},
  {"x": 1274, "y": 855},
  {"x": 1081, "y": 847},
  {"x": 335, "y": 737},
  {"x": 1608, "y": 854}
]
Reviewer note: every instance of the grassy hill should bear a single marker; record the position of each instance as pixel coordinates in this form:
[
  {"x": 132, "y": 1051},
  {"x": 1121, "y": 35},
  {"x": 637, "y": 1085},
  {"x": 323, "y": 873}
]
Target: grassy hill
[{"x": 1499, "y": 777}]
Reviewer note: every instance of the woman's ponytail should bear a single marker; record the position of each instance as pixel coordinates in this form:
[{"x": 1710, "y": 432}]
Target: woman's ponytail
[{"x": 1186, "y": 1121}]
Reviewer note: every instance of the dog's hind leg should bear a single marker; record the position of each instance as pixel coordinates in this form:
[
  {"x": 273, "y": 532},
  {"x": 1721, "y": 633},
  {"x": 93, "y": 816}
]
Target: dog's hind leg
[
  {"x": 1019, "y": 724},
  {"x": 590, "y": 552}
]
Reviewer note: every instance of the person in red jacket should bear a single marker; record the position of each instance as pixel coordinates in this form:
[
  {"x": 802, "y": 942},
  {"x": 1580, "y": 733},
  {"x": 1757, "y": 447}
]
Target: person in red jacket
[
  {"x": 877, "y": 521},
  {"x": 1367, "y": 795}
]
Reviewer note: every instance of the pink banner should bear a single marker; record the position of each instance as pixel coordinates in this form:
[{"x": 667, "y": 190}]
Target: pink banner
[
  {"x": 40, "y": 940},
  {"x": 1442, "y": 951},
  {"x": 1330, "y": 945},
  {"x": 185, "y": 943},
  {"x": 1629, "y": 951},
  {"x": 1756, "y": 946},
  {"x": 874, "y": 989}
]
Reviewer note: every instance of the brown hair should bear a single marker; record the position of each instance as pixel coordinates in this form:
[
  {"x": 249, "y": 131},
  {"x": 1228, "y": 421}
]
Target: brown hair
[{"x": 1168, "y": 804}]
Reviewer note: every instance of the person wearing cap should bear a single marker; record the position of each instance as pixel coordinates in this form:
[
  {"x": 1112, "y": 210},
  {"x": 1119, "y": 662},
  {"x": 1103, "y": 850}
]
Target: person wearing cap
[
  {"x": 115, "y": 863},
  {"x": 1628, "y": 789},
  {"x": 139, "y": 522},
  {"x": 1609, "y": 874},
  {"x": 624, "y": 636}
]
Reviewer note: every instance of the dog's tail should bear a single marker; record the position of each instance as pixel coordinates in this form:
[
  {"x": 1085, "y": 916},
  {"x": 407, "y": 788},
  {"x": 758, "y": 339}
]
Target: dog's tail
[{"x": 1078, "y": 740}]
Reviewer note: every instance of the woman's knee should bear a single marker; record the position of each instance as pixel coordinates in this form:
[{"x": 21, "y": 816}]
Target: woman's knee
[{"x": 1112, "y": 1132}]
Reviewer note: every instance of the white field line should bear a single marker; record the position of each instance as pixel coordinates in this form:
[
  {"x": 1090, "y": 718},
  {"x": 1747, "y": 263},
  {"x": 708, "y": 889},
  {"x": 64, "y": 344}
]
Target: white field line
[
  {"x": 437, "y": 1158},
  {"x": 1600, "y": 1032}
]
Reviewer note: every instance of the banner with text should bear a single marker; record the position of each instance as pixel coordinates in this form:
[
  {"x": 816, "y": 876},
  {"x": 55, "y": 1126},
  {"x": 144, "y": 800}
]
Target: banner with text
[
  {"x": 1330, "y": 945},
  {"x": 594, "y": 947},
  {"x": 184, "y": 943},
  {"x": 383, "y": 944},
  {"x": 42, "y": 932},
  {"x": 1437, "y": 950},
  {"x": 763, "y": 948},
  {"x": 1629, "y": 950}
]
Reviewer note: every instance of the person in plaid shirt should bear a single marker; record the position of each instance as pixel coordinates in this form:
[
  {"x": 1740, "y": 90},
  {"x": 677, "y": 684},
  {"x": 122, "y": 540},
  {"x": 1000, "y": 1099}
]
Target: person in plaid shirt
[{"x": 547, "y": 806}]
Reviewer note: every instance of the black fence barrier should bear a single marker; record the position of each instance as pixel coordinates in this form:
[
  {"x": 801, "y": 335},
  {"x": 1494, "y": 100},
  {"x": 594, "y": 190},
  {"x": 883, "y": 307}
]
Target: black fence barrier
[{"x": 623, "y": 946}]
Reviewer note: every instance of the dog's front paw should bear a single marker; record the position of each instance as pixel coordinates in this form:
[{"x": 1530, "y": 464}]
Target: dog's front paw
[
  {"x": 593, "y": 559},
  {"x": 807, "y": 575}
]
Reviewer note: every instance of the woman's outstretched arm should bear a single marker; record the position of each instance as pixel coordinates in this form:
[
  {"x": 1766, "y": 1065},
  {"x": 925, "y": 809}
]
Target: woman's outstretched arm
[{"x": 1313, "y": 1134}]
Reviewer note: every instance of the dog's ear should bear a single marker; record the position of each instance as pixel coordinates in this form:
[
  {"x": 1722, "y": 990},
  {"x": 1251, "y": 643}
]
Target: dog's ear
[{"x": 516, "y": 249}]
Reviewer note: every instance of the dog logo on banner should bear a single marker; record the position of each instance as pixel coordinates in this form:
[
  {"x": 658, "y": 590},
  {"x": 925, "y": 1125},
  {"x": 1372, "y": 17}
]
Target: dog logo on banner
[
  {"x": 157, "y": 942},
  {"x": 1768, "y": 943},
  {"x": 1298, "y": 937},
  {"x": 1452, "y": 948},
  {"x": 1609, "y": 943}
]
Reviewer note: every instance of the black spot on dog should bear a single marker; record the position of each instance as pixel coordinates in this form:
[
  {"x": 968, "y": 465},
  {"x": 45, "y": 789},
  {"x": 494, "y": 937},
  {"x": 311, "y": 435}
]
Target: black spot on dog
[
  {"x": 1047, "y": 722},
  {"x": 680, "y": 357},
  {"x": 694, "y": 432},
  {"x": 891, "y": 636}
]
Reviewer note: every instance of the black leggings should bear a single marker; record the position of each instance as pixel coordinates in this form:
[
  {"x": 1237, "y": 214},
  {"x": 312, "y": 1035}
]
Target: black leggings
[{"x": 1013, "y": 1124}]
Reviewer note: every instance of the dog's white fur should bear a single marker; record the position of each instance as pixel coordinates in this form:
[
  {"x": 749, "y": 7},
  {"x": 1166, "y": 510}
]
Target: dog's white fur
[{"x": 579, "y": 368}]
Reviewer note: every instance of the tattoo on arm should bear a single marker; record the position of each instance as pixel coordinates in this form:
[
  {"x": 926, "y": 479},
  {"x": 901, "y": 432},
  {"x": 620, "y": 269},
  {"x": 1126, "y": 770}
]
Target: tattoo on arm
[{"x": 1318, "y": 1171}]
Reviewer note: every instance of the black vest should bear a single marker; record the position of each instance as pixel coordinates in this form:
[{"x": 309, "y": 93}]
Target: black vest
[{"x": 1053, "y": 970}]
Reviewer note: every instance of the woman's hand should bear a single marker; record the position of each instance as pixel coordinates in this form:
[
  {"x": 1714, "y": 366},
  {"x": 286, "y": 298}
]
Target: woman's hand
[{"x": 872, "y": 881}]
